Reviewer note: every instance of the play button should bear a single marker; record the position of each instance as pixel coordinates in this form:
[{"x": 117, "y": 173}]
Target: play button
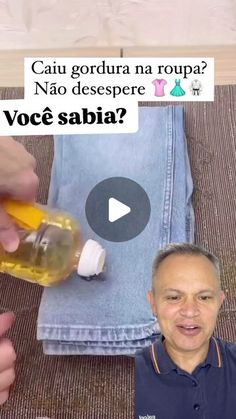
[{"x": 117, "y": 209}]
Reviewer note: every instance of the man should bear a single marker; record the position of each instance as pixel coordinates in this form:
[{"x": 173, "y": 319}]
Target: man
[
  {"x": 188, "y": 373},
  {"x": 18, "y": 181}
]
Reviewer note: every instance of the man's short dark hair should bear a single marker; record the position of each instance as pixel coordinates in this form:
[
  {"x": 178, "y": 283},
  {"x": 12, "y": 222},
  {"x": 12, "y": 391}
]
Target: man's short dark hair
[{"x": 184, "y": 249}]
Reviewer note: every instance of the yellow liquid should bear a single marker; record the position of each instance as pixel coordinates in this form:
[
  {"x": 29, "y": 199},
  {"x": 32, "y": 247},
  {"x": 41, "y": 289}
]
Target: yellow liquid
[{"x": 46, "y": 256}]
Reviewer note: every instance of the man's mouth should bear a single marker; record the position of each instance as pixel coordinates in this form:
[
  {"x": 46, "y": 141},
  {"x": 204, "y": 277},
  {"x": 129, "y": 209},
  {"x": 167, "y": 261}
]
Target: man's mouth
[{"x": 189, "y": 330}]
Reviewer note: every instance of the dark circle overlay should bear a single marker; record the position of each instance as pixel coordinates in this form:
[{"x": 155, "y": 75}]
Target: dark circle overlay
[{"x": 127, "y": 192}]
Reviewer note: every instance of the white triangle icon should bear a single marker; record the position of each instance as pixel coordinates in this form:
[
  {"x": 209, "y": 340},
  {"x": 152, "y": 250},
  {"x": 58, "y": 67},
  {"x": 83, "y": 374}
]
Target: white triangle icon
[{"x": 117, "y": 210}]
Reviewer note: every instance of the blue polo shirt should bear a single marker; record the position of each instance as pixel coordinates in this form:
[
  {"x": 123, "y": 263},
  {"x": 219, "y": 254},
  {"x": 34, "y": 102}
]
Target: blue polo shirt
[{"x": 164, "y": 391}]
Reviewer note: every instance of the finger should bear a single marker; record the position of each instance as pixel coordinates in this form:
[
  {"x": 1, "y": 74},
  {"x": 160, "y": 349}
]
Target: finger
[
  {"x": 8, "y": 235},
  {"x": 7, "y": 378},
  {"x": 7, "y": 354},
  {"x": 4, "y": 395},
  {"x": 30, "y": 161},
  {"x": 23, "y": 188},
  {"x": 17, "y": 152},
  {"x": 6, "y": 321}
]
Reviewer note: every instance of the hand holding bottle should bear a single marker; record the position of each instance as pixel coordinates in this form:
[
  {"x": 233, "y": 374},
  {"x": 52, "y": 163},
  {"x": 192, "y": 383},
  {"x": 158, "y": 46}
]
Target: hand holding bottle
[
  {"x": 7, "y": 357},
  {"x": 17, "y": 180}
]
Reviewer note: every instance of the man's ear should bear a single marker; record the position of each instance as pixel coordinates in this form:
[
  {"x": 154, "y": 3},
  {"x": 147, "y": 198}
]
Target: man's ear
[
  {"x": 151, "y": 300},
  {"x": 222, "y": 297}
]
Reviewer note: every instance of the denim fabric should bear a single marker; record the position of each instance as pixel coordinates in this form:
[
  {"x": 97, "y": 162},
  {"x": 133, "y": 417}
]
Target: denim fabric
[{"x": 111, "y": 315}]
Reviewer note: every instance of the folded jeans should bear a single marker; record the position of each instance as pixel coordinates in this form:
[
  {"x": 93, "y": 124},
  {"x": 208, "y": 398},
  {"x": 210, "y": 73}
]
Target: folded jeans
[{"x": 89, "y": 317}]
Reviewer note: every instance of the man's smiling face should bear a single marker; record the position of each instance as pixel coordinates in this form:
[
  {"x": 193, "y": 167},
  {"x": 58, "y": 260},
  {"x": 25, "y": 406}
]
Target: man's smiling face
[{"x": 186, "y": 300}]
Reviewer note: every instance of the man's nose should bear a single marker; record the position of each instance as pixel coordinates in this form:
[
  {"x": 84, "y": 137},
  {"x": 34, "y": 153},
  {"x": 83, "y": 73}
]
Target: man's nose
[{"x": 189, "y": 308}]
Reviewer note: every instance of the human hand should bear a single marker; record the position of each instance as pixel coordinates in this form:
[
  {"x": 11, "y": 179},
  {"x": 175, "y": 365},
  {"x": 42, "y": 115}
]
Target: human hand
[
  {"x": 7, "y": 357},
  {"x": 17, "y": 181}
]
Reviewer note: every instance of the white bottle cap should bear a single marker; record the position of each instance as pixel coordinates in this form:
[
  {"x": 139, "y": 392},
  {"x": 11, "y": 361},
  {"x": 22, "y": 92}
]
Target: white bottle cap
[{"x": 92, "y": 259}]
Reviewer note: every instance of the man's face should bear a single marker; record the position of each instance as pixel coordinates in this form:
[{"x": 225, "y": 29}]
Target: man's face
[{"x": 186, "y": 300}]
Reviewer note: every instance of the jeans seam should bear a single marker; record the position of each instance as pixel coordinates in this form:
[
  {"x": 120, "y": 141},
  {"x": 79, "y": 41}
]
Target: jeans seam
[{"x": 168, "y": 192}]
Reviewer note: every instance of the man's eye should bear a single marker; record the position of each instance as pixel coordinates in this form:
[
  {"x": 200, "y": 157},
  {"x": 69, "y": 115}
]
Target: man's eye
[
  {"x": 205, "y": 297},
  {"x": 173, "y": 297}
]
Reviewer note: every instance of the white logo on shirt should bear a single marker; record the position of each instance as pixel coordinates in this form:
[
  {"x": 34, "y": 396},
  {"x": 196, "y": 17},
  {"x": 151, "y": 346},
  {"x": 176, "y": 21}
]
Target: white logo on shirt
[{"x": 147, "y": 417}]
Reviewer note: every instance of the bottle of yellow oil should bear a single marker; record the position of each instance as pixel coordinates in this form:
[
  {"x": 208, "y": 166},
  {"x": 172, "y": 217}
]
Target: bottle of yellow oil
[{"x": 50, "y": 248}]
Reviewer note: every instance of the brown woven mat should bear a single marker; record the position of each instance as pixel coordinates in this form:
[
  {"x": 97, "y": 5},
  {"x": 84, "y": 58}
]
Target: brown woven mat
[{"x": 86, "y": 387}]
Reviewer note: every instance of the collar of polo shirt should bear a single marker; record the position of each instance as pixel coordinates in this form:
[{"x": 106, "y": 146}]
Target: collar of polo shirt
[{"x": 163, "y": 364}]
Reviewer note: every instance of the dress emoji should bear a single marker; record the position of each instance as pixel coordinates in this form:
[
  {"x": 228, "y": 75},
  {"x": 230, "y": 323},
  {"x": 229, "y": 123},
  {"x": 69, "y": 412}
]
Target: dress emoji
[{"x": 177, "y": 90}]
